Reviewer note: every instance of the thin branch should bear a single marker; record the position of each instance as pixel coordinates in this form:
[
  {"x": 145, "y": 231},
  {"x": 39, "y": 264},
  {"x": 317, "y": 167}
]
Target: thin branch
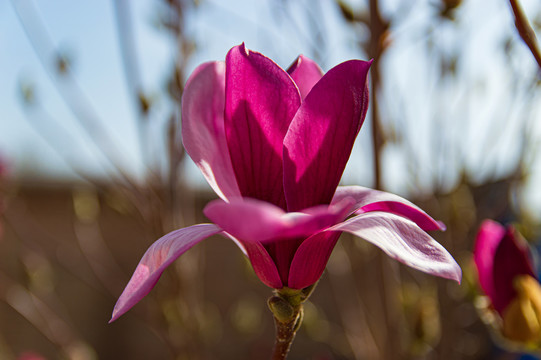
[
  {"x": 378, "y": 29},
  {"x": 38, "y": 313},
  {"x": 525, "y": 30},
  {"x": 67, "y": 87},
  {"x": 131, "y": 69},
  {"x": 47, "y": 128}
]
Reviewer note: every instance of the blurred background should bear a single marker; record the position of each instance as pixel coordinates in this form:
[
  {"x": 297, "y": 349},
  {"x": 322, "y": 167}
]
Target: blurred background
[{"x": 93, "y": 171}]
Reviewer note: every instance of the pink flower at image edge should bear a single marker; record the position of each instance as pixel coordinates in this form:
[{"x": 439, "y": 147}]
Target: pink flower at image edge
[
  {"x": 507, "y": 276},
  {"x": 500, "y": 257},
  {"x": 273, "y": 144}
]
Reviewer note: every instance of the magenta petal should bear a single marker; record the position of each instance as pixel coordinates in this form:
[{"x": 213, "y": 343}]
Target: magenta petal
[
  {"x": 203, "y": 133},
  {"x": 251, "y": 220},
  {"x": 321, "y": 136},
  {"x": 488, "y": 238},
  {"x": 158, "y": 256},
  {"x": 263, "y": 265},
  {"x": 368, "y": 200},
  {"x": 306, "y": 73},
  {"x": 511, "y": 259},
  {"x": 261, "y": 100},
  {"x": 311, "y": 259},
  {"x": 404, "y": 241}
]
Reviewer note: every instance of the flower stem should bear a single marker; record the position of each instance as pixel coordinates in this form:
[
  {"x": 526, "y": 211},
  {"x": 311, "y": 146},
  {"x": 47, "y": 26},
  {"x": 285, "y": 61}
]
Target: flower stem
[
  {"x": 285, "y": 333},
  {"x": 286, "y": 306}
]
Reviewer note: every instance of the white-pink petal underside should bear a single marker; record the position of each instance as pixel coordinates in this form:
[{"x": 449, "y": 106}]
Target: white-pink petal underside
[{"x": 404, "y": 241}]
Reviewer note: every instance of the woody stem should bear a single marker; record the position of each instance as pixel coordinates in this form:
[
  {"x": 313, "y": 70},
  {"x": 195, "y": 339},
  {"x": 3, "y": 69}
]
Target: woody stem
[
  {"x": 285, "y": 333},
  {"x": 286, "y": 306}
]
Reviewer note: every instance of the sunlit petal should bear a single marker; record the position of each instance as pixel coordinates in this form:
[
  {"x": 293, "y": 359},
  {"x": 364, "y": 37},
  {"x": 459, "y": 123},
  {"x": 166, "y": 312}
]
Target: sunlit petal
[
  {"x": 203, "y": 134},
  {"x": 306, "y": 73},
  {"x": 368, "y": 200},
  {"x": 404, "y": 241},
  {"x": 261, "y": 100},
  {"x": 319, "y": 141}
]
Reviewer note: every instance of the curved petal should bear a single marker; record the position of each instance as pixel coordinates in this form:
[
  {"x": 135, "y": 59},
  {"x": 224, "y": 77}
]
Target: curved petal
[
  {"x": 311, "y": 259},
  {"x": 306, "y": 73},
  {"x": 368, "y": 200},
  {"x": 251, "y": 220},
  {"x": 511, "y": 259},
  {"x": 321, "y": 136},
  {"x": 401, "y": 239},
  {"x": 488, "y": 239},
  {"x": 261, "y": 100},
  {"x": 158, "y": 256},
  {"x": 203, "y": 133},
  {"x": 263, "y": 265}
]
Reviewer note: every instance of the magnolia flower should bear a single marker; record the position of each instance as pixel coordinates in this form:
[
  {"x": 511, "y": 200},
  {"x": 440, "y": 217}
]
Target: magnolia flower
[
  {"x": 507, "y": 276},
  {"x": 273, "y": 145}
]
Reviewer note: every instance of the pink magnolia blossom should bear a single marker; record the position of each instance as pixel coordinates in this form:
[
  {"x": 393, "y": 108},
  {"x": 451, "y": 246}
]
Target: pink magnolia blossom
[
  {"x": 507, "y": 276},
  {"x": 501, "y": 256},
  {"x": 273, "y": 144}
]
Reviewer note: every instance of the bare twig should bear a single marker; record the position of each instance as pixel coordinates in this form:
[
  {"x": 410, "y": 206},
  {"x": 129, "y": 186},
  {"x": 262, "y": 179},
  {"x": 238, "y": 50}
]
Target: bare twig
[
  {"x": 525, "y": 30},
  {"x": 378, "y": 30}
]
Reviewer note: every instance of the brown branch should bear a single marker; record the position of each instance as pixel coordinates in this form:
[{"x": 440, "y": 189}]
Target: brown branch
[
  {"x": 525, "y": 30},
  {"x": 285, "y": 334},
  {"x": 378, "y": 31}
]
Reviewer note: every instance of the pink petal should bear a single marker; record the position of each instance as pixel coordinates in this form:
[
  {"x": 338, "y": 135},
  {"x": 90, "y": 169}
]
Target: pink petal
[
  {"x": 203, "y": 133},
  {"x": 368, "y": 200},
  {"x": 263, "y": 265},
  {"x": 319, "y": 141},
  {"x": 486, "y": 242},
  {"x": 306, "y": 73},
  {"x": 511, "y": 259},
  {"x": 158, "y": 256},
  {"x": 251, "y": 220},
  {"x": 261, "y": 100},
  {"x": 311, "y": 259},
  {"x": 404, "y": 241}
]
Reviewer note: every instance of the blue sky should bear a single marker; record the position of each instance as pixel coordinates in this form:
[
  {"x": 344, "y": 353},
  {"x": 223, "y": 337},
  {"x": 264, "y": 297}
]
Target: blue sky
[{"x": 87, "y": 31}]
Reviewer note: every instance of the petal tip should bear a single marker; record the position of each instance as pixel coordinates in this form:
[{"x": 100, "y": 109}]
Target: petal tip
[
  {"x": 244, "y": 49},
  {"x": 441, "y": 225},
  {"x": 115, "y": 315},
  {"x": 458, "y": 276}
]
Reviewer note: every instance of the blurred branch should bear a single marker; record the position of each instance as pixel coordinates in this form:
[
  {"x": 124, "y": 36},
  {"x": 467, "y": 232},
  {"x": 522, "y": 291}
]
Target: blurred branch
[
  {"x": 28, "y": 231},
  {"x": 99, "y": 257},
  {"x": 525, "y": 30},
  {"x": 131, "y": 69},
  {"x": 40, "y": 315},
  {"x": 378, "y": 32},
  {"x": 352, "y": 308},
  {"x": 379, "y": 28},
  {"x": 65, "y": 152},
  {"x": 72, "y": 94}
]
